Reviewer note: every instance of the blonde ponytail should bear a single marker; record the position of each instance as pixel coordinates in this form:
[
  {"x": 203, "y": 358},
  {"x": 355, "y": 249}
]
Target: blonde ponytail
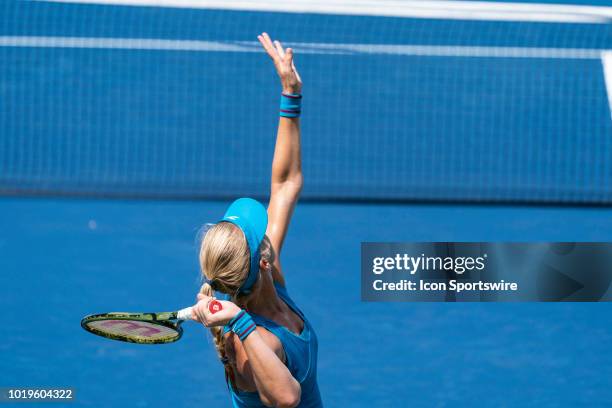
[
  {"x": 225, "y": 261},
  {"x": 217, "y": 335}
]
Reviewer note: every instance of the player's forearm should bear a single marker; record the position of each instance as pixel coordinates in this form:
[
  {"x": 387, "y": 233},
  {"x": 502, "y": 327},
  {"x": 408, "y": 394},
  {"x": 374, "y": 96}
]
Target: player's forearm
[
  {"x": 286, "y": 165},
  {"x": 287, "y": 162},
  {"x": 272, "y": 377}
]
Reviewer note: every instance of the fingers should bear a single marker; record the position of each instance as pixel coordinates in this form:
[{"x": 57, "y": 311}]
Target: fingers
[
  {"x": 267, "y": 37},
  {"x": 279, "y": 49},
  {"x": 266, "y": 42},
  {"x": 197, "y": 314},
  {"x": 201, "y": 313},
  {"x": 275, "y": 49},
  {"x": 200, "y": 309},
  {"x": 297, "y": 74},
  {"x": 292, "y": 64},
  {"x": 283, "y": 61}
]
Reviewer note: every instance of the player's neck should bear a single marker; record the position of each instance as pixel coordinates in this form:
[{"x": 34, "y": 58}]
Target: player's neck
[{"x": 267, "y": 301}]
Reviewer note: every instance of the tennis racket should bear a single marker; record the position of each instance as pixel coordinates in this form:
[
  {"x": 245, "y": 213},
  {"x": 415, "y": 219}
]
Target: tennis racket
[{"x": 142, "y": 328}]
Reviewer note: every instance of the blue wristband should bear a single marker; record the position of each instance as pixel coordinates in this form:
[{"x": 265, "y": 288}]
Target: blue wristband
[
  {"x": 290, "y": 105},
  {"x": 242, "y": 324}
]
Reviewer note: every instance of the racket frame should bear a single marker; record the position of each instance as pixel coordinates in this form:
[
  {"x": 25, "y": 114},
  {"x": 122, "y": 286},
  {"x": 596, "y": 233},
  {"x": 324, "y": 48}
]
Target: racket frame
[
  {"x": 170, "y": 320},
  {"x": 164, "y": 319}
]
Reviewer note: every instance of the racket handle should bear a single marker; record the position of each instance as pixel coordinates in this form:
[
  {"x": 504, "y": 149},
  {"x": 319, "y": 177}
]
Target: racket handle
[{"x": 184, "y": 314}]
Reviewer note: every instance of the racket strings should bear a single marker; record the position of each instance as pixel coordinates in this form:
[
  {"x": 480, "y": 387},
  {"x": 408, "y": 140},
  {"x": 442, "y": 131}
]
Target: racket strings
[{"x": 133, "y": 330}]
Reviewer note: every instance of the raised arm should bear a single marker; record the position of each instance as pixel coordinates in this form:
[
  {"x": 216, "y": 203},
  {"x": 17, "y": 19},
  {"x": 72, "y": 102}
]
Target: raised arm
[{"x": 286, "y": 182}]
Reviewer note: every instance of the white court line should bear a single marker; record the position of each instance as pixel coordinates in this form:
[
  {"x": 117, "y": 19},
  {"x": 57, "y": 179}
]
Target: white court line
[
  {"x": 606, "y": 60},
  {"x": 122, "y": 44},
  {"x": 301, "y": 48},
  {"x": 441, "y": 9}
]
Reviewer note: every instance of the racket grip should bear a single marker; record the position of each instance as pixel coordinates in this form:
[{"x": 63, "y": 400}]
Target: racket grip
[{"x": 184, "y": 314}]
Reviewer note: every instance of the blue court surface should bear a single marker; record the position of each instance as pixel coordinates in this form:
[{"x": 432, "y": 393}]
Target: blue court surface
[
  {"x": 146, "y": 121},
  {"x": 61, "y": 259}
]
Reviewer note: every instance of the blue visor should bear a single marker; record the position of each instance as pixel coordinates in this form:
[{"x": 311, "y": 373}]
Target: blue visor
[{"x": 252, "y": 218}]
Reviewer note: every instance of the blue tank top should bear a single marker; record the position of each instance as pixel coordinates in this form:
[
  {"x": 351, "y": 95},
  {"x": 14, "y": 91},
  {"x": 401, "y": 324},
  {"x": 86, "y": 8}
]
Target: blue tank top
[{"x": 300, "y": 354}]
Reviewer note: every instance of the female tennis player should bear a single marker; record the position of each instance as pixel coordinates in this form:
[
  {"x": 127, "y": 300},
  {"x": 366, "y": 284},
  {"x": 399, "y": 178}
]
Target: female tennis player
[{"x": 266, "y": 344}]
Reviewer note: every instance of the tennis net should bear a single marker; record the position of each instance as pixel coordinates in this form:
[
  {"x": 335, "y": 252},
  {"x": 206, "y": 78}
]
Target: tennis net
[{"x": 502, "y": 105}]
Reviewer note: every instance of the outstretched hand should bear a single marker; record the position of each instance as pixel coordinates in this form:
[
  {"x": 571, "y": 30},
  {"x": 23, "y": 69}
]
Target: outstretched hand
[{"x": 283, "y": 61}]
